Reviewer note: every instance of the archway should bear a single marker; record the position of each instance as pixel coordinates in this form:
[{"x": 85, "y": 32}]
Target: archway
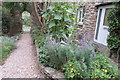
[{"x": 26, "y": 21}]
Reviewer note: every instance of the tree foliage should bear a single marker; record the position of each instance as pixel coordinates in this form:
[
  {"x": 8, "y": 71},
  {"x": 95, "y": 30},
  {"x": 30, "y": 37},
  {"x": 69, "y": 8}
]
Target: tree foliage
[
  {"x": 59, "y": 19},
  {"x": 5, "y": 20},
  {"x": 13, "y": 6}
]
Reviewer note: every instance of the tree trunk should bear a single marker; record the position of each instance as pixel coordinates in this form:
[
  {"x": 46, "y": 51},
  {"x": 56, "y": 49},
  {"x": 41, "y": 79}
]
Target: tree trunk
[{"x": 37, "y": 15}]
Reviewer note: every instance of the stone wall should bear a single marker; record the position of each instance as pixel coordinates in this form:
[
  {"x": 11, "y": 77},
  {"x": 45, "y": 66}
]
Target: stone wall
[
  {"x": 89, "y": 24},
  {"x": 90, "y": 18}
]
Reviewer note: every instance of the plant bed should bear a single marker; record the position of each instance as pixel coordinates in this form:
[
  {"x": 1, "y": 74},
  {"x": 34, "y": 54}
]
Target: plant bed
[
  {"x": 7, "y": 45},
  {"x": 59, "y": 49},
  {"x": 76, "y": 61},
  {"x": 50, "y": 73}
]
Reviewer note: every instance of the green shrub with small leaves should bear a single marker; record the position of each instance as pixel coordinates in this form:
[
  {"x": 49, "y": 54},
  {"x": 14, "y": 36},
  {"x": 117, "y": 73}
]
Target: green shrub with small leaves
[
  {"x": 56, "y": 54},
  {"x": 102, "y": 67},
  {"x": 6, "y": 45},
  {"x": 5, "y": 20},
  {"x": 75, "y": 70},
  {"x": 60, "y": 54},
  {"x": 114, "y": 28},
  {"x": 35, "y": 33}
]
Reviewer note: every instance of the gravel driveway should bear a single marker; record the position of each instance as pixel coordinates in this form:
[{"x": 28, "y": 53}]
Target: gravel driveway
[{"x": 22, "y": 63}]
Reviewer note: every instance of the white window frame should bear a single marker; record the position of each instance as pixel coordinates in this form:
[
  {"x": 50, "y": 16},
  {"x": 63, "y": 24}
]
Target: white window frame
[
  {"x": 105, "y": 27},
  {"x": 80, "y": 22}
]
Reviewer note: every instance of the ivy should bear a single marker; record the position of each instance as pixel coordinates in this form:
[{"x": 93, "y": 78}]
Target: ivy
[{"x": 114, "y": 28}]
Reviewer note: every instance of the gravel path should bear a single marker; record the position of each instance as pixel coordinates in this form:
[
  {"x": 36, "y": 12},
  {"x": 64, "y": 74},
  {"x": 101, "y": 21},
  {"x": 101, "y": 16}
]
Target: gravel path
[{"x": 22, "y": 63}]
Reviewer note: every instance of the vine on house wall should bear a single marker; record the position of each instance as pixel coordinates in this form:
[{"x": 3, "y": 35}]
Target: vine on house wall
[{"x": 114, "y": 29}]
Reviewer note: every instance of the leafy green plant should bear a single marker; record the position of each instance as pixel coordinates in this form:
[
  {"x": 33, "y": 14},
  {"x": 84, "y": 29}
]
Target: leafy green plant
[
  {"x": 35, "y": 33},
  {"x": 102, "y": 68},
  {"x": 114, "y": 27},
  {"x": 59, "y": 20},
  {"x": 5, "y": 20},
  {"x": 40, "y": 41},
  {"x": 75, "y": 70},
  {"x": 72, "y": 69},
  {"x": 56, "y": 53},
  {"x": 43, "y": 57},
  {"x": 60, "y": 53},
  {"x": 7, "y": 44},
  {"x": 84, "y": 59},
  {"x": 76, "y": 61}
]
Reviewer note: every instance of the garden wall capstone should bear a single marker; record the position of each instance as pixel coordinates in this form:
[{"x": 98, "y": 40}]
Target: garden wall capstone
[{"x": 50, "y": 73}]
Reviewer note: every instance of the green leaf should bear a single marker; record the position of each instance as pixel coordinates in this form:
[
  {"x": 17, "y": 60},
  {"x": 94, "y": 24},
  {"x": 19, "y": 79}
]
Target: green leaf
[
  {"x": 45, "y": 14},
  {"x": 66, "y": 18},
  {"x": 51, "y": 24},
  {"x": 51, "y": 7},
  {"x": 69, "y": 10},
  {"x": 58, "y": 16}
]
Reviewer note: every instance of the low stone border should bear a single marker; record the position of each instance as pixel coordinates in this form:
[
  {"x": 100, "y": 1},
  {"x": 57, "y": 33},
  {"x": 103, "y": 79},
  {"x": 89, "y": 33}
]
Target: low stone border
[{"x": 50, "y": 73}]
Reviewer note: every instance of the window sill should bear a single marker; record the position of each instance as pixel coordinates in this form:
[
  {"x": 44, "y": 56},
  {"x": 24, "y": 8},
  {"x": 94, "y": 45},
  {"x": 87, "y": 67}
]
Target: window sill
[
  {"x": 80, "y": 23},
  {"x": 98, "y": 42}
]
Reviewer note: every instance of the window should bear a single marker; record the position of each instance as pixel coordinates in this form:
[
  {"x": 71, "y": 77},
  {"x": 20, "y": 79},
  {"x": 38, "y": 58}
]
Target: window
[
  {"x": 101, "y": 31},
  {"x": 80, "y": 15},
  {"x": 105, "y": 17},
  {"x": 99, "y": 19}
]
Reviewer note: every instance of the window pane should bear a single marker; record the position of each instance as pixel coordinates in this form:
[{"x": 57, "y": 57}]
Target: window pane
[
  {"x": 98, "y": 24},
  {"x": 80, "y": 14},
  {"x": 106, "y": 15}
]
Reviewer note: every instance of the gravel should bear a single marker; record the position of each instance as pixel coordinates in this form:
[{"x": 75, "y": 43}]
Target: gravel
[{"x": 22, "y": 62}]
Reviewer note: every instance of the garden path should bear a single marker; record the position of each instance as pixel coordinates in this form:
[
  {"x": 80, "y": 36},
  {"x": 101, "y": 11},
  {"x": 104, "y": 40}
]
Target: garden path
[{"x": 22, "y": 63}]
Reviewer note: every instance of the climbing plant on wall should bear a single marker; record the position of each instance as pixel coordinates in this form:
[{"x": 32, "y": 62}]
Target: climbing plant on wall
[{"x": 114, "y": 29}]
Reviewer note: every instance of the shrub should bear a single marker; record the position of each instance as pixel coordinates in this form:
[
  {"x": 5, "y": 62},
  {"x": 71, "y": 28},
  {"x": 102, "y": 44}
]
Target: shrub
[
  {"x": 59, "y": 20},
  {"x": 35, "y": 33},
  {"x": 75, "y": 70},
  {"x": 114, "y": 27},
  {"x": 5, "y": 20},
  {"x": 103, "y": 69},
  {"x": 82, "y": 60},
  {"x": 56, "y": 54},
  {"x": 76, "y": 61},
  {"x": 72, "y": 69},
  {"x": 6, "y": 45},
  {"x": 59, "y": 53},
  {"x": 40, "y": 41}
]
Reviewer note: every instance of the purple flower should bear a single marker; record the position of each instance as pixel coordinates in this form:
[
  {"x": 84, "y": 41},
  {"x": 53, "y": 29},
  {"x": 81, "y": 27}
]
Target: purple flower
[{"x": 69, "y": 38}]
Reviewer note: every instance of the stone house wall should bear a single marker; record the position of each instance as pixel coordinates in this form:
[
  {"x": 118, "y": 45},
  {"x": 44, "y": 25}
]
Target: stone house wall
[{"x": 89, "y": 24}]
